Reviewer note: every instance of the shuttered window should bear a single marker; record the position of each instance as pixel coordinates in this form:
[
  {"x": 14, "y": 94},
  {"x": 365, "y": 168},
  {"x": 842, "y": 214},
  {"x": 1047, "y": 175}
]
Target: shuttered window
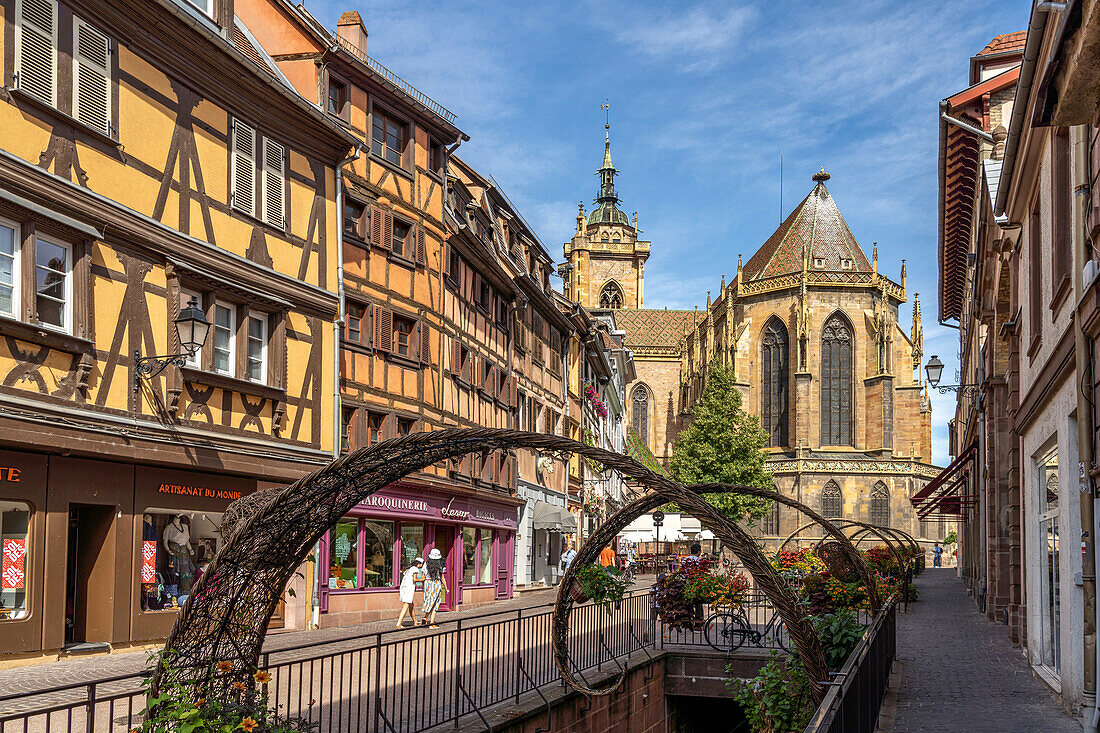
[
  {"x": 36, "y": 49},
  {"x": 91, "y": 77},
  {"x": 274, "y": 184},
  {"x": 243, "y": 194},
  {"x": 836, "y": 382},
  {"x": 774, "y": 382}
]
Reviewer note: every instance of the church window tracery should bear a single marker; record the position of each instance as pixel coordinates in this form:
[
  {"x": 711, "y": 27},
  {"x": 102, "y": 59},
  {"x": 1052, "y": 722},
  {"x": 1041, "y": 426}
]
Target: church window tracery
[
  {"x": 832, "y": 501},
  {"x": 880, "y": 505},
  {"x": 774, "y": 382},
  {"x": 770, "y": 526},
  {"x": 611, "y": 296},
  {"x": 639, "y": 415},
  {"x": 836, "y": 382}
]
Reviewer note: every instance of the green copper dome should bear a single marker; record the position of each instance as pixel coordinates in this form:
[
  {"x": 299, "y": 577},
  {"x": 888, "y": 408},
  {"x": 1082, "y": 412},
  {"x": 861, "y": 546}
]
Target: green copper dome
[{"x": 608, "y": 213}]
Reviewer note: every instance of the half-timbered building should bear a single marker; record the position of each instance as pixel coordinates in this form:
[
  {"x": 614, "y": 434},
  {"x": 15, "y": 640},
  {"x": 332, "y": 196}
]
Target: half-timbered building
[{"x": 152, "y": 156}]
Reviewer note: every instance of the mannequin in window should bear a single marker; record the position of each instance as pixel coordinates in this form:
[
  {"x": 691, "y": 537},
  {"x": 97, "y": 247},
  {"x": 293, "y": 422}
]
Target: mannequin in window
[{"x": 177, "y": 540}]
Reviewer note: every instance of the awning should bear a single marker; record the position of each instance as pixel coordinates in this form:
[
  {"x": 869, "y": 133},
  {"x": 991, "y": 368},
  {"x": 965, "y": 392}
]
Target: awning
[
  {"x": 552, "y": 518},
  {"x": 942, "y": 494}
]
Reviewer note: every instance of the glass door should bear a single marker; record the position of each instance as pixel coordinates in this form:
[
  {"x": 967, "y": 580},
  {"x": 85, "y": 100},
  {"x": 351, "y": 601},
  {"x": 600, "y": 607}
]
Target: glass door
[
  {"x": 443, "y": 539},
  {"x": 1050, "y": 597}
]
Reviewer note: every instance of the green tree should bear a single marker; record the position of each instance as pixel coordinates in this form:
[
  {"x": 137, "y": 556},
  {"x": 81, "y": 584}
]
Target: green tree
[{"x": 724, "y": 444}]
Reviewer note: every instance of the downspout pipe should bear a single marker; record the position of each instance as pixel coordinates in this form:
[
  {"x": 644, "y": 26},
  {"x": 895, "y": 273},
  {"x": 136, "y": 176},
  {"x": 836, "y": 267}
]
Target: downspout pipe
[{"x": 1085, "y": 447}]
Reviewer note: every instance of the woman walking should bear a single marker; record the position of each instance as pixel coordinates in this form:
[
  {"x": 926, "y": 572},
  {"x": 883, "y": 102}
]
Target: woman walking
[
  {"x": 435, "y": 585},
  {"x": 408, "y": 590}
]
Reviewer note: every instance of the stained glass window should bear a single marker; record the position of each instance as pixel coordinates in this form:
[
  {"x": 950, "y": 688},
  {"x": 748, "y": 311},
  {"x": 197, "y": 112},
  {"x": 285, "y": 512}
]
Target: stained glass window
[
  {"x": 639, "y": 417},
  {"x": 611, "y": 296},
  {"x": 773, "y": 413},
  {"x": 832, "y": 501},
  {"x": 880, "y": 505},
  {"x": 836, "y": 382}
]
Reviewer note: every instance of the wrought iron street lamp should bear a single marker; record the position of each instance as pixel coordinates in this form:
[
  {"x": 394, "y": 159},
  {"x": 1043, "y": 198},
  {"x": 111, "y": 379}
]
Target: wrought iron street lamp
[
  {"x": 934, "y": 370},
  {"x": 191, "y": 330}
]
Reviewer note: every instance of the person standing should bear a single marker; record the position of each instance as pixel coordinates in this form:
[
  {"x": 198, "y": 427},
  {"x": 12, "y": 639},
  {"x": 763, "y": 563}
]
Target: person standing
[
  {"x": 567, "y": 556},
  {"x": 937, "y": 554},
  {"x": 408, "y": 590},
  {"x": 435, "y": 585},
  {"x": 607, "y": 557}
]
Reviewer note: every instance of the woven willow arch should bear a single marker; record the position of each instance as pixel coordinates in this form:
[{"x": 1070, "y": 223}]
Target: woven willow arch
[{"x": 888, "y": 535}]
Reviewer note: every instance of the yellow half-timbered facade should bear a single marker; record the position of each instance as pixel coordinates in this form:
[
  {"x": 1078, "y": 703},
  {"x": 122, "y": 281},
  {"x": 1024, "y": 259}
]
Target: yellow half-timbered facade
[{"x": 151, "y": 155}]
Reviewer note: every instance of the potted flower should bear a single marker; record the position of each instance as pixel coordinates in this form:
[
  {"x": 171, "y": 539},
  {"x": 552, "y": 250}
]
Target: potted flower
[{"x": 603, "y": 585}]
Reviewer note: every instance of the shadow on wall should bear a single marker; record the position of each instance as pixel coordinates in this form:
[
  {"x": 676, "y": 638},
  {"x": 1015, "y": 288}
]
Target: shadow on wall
[{"x": 670, "y": 429}]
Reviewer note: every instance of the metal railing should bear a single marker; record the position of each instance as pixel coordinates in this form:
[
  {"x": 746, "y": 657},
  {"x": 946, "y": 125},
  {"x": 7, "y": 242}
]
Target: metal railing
[
  {"x": 384, "y": 682},
  {"x": 757, "y": 627},
  {"x": 852, "y": 703},
  {"x": 398, "y": 82}
]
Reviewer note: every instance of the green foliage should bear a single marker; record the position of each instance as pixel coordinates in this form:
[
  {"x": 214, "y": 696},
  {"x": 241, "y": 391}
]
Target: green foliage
[
  {"x": 839, "y": 632},
  {"x": 951, "y": 538},
  {"x": 243, "y": 708},
  {"x": 724, "y": 444},
  {"x": 777, "y": 700},
  {"x": 605, "y": 586}
]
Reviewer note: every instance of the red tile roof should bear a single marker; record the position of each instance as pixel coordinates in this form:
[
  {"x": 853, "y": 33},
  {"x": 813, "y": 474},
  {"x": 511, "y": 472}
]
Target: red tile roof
[
  {"x": 817, "y": 223},
  {"x": 1005, "y": 43},
  {"x": 645, "y": 327}
]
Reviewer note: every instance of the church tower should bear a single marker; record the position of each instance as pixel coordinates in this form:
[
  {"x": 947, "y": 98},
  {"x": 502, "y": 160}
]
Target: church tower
[{"x": 605, "y": 261}]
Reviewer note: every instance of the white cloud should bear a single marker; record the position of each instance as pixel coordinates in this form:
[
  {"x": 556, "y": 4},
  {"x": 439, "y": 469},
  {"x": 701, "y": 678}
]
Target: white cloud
[{"x": 699, "y": 37}]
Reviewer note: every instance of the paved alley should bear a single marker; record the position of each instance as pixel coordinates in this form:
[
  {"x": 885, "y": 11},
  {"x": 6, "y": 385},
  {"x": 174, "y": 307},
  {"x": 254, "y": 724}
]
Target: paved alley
[{"x": 958, "y": 671}]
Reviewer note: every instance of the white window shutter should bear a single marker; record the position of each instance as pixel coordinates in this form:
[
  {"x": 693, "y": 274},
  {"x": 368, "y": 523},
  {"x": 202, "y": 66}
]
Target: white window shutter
[
  {"x": 91, "y": 77},
  {"x": 36, "y": 49},
  {"x": 243, "y": 195},
  {"x": 274, "y": 183}
]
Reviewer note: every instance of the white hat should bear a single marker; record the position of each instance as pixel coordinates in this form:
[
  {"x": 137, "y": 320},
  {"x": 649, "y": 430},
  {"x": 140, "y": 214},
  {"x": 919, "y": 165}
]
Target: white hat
[
  {"x": 418, "y": 561},
  {"x": 435, "y": 554}
]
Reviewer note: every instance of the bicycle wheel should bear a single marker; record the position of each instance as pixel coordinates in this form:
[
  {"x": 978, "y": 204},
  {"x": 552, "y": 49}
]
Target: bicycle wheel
[
  {"x": 782, "y": 636},
  {"x": 725, "y": 631}
]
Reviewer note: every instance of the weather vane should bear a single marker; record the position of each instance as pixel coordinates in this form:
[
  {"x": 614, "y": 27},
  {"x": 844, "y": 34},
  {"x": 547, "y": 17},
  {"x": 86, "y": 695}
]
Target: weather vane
[{"x": 606, "y": 107}]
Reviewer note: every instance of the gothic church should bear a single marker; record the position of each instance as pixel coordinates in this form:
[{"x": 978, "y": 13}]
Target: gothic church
[{"x": 811, "y": 329}]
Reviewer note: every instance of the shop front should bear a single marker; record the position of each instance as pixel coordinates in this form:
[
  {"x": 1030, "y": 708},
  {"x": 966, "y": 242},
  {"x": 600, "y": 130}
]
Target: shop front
[
  {"x": 99, "y": 553},
  {"x": 367, "y": 551}
]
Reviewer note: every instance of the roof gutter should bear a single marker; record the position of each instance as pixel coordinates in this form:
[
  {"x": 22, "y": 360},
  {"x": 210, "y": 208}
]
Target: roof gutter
[{"x": 1035, "y": 31}]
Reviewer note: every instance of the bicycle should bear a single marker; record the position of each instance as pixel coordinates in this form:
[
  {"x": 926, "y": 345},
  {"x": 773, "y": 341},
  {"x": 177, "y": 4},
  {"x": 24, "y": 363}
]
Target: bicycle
[{"x": 726, "y": 631}]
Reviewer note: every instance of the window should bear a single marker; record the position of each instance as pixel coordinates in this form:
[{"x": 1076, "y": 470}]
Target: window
[
  {"x": 206, "y": 6},
  {"x": 52, "y": 284},
  {"x": 880, "y": 505},
  {"x": 1035, "y": 276},
  {"x": 836, "y": 382},
  {"x": 274, "y": 181},
  {"x": 611, "y": 296},
  {"x": 770, "y": 525},
  {"x": 454, "y": 270},
  {"x": 412, "y": 544},
  {"x": 257, "y": 349},
  {"x": 9, "y": 268},
  {"x": 242, "y": 193},
  {"x": 405, "y": 425},
  {"x": 387, "y": 137},
  {"x": 186, "y": 296},
  {"x": 353, "y": 323},
  {"x": 402, "y": 336},
  {"x": 337, "y": 98},
  {"x": 435, "y": 158},
  {"x": 484, "y": 295},
  {"x": 774, "y": 382},
  {"x": 639, "y": 414},
  {"x": 486, "y": 563},
  {"x": 1050, "y": 602},
  {"x": 344, "y": 556},
  {"x": 353, "y": 216},
  {"x": 832, "y": 501},
  {"x": 225, "y": 328},
  {"x": 37, "y": 63},
  {"x": 400, "y": 235},
  {"x": 819, "y": 262},
  {"x": 175, "y": 548},
  {"x": 1061, "y": 189},
  {"x": 477, "y": 556},
  {"x": 15, "y": 520},
  {"x": 845, "y": 264},
  {"x": 255, "y": 157},
  {"x": 378, "y": 541},
  {"x": 375, "y": 427},
  {"x": 469, "y": 555},
  {"x": 347, "y": 420}
]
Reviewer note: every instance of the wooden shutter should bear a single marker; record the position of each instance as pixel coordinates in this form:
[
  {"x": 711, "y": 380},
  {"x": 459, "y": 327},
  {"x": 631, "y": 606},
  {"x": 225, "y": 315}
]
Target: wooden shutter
[
  {"x": 383, "y": 328},
  {"x": 425, "y": 343},
  {"x": 243, "y": 195},
  {"x": 447, "y": 261},
  {"x": 421, "y": 247},
  {"x": 36, "y": 49},
  {"x": 456, "y": 358},
  {"x": 468, "y": 366},
  {"x": 91, "y": 77},
  {"x": 376, "y": 218},
  {"x": 387, "y": 231},
  {"x": 274, "y": 183}
]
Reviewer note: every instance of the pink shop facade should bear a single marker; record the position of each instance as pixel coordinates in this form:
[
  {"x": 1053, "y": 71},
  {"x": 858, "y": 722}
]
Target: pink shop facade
[{"x": 363, "y": 556}]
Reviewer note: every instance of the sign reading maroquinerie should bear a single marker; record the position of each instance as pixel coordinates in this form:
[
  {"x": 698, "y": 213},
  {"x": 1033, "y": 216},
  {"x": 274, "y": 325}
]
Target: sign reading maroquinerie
[{"x": 396, "y": 502}]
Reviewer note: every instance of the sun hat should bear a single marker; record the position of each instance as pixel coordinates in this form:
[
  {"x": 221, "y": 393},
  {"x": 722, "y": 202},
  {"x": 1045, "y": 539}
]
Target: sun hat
[
  {"x": 435, "y": 554},
  {"x": 418, "y": 561}
]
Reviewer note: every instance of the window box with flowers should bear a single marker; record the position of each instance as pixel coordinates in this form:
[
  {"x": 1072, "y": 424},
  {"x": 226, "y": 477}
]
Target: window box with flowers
[{"x": 592, "y": 398}]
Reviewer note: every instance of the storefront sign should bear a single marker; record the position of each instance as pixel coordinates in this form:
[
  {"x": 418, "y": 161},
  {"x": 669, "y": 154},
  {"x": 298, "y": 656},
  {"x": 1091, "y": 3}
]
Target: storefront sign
[
  {"x": 15, "y": 550},
  {"x": 455, "y": 509},
  {"x": 398, "y": 503},
  {"x": 8, "y": 473},
  {"x": 149, "y": 561},
  {"x": 199, "y": 491}
]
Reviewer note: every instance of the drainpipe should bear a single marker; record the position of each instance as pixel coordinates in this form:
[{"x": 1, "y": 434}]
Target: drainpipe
[{"x": 1085, "y": 448}]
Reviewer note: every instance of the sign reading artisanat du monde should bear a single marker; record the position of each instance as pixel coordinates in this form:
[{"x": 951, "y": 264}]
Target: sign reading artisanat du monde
[{"x": 199, "y": 491}]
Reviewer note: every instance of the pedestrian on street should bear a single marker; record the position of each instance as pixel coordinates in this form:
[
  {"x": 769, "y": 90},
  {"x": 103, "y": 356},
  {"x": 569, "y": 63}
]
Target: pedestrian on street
[
  {"x": 607, "y": 557},
  {"x": 435, "y": 585},
  {"x": 408, "y": 590},
  {"x": 567, "y": 556},
  {"x": 937, "y": 552}
]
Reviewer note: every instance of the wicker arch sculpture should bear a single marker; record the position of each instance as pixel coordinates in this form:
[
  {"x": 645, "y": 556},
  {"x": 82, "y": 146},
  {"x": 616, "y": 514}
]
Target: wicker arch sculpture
[{"x": 886, "y": 534}]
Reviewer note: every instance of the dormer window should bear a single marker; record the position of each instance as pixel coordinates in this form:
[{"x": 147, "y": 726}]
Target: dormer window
[
  {"x": 819, "y": 262},
  {"x": 845, "y": 264}
]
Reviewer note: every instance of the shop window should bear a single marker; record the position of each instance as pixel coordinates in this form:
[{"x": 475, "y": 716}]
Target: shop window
[
  {"x": 379, "y": 539},
  {"x": 1050, "y": 600},
  {"x": 486, "y": 564},
  {"x": 9, "y": 268},
  {"x": 469, "y": 555},
  {"x": 224, "y": 329},
  {"x": 15, "y": 536},
  {"x": 412, "y": 544},
  {"x": 477, "y": 556},
  {"x": 343, "y": 558},
  {"x": 175, "y": 550}
]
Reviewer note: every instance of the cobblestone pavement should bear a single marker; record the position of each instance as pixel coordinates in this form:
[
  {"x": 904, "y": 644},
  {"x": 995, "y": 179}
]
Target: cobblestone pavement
[{"x": 958, "y": 671}]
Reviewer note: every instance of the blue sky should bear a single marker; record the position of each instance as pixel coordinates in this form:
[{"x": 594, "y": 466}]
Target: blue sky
[{"x": 704, "y": 96}]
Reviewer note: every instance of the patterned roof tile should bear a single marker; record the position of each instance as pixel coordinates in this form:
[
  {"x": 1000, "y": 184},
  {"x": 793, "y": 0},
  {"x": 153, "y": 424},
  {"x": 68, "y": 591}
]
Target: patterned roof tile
[{"x": 646, "y": 327}]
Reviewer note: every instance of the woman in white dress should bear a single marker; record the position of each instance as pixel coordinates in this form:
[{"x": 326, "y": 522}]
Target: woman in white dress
[{"x": 408, "y": 590}]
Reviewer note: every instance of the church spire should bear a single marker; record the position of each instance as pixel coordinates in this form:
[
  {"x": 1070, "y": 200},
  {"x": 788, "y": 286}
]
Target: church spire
[{"x": 607, "y": 171}]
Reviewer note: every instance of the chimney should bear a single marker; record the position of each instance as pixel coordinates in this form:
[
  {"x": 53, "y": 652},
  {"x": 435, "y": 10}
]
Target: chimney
[
  {"x": 1000, "y": 134},
  {"x": 350, "y": 28}
]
